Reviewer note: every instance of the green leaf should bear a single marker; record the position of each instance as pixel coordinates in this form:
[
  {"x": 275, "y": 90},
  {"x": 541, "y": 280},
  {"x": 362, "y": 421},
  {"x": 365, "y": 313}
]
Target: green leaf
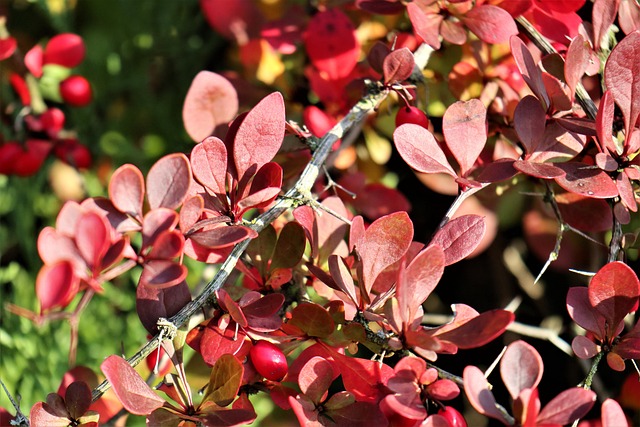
[{"x": 226, "y": 376}]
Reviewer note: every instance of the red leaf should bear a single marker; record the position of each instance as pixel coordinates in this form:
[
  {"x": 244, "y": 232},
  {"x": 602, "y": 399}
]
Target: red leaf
[
  {"x": 167, "y": 245},
  {"x": 191, "y": 212},
  {"x": 153, "y": 303},
  {"x": 265, "y": 187},
  {"x": 419, "y": 280},
  {"x": 357, "y": 414},
  {"x": 162, "y": 273},
  {"x": 465, "y": 130},
  {"x": 538, "y": 170},
  {"x": 331, "y": 43},
  {"x": 587, "y": 181},
  {"x": 420, "y": 150},
  {"x": 622, "y": 78},
  {"x": 64, "y": 49},
  {"x": 614, "y": 292},
  {"x": 212, "y": 342},
  {"x": 613, "y": 415},
  {"x": 168, "y": 181},
  {"x": 223, "y": 236},
  {"x": 92, "y": 238},
  {"x": 459, "y": 237},
  {"x": 260, "y": 134},
  {"x": 629, "y": 16},
  {"x": 362, "y": 377},
  {"x": 398, "y": 66},
  {"x": 56, "y": 285},
  {"x": 126, "y": 190},
  {"x": 521, "y": 368},
  {"x": 490, "y": 23},
  {"x": 315, "y": 378},
  {"x": 529, "y": 118},
  {"x": 209, "y": 163},
  {"x": 567, "y": 407},
  {"x": 156, "y": 222},
  {"x": 385, "y": 242},
  {"x": 529, "y": 70},
  {"x": 342, "y": 277},
  {"x": 578, "y": 56},
  {"x": 477, "y": 390},
  {"x": 42, "y": 414},
  {"x": 479, "y": 330},
  {"x": 54, "y": 247},
  {"x": 585, "y": 213},
  {"x": 211, "y": 101},
  {"x": 136, "y": 396},
  {"x": 581, "y": 311},
  {"x": 8, "y": 45}
]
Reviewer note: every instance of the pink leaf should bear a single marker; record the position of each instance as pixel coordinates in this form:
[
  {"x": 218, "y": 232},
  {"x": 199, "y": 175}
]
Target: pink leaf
[
  {"x": 331, "y": 43},
  {"x": 315, "y": 378},
  {"x": 64, "y": 49},
  {"x": 342, "y": 277},
  {"x": 209, "y": 163},
  {"x": 604, "y": 123},
  {"x": 613, "y": 415},
  {"x": 603, "y": 15},
  {"x": 629, "y": 16},
  {"x": 479, "y": 330},
  {"x": 465, "y": 130},
  {"x": 459, "y": 237},
  {"x": 93, "y": 238},
  {"x": 622, "y": 77},
  {"x": 419, "y": 280},
  {"x": 426, "y": 22},
  {"x": 259, "y": 136},
  {"x": 558, "y": 144},
  {"x": 578, "y": 56},
  {"x": 385, "y": 242},
  {"x": 521, "y": 368},
  {"x": 538, "y": 170},
  {"x": 126, "y": 190},
  {"x": 581, "y": 311},
  {"x": 56, "y": 285},
  {"x": 529, "y": 119},
  {"x": 529, "y": 70},
  {"x": 567, "y": 407},
  {"x": 211, "y": 101},
  {"x": 168, "y": 181},
  {"x": 614, "y": 292},
  {"x": 583, "y": 347},
  {"x": 223, "y": 236},
  {"x": 490, "y": 23},
  {"x": 191, "y": 212},
  {"x": 420, "y": 150},
  {"x": 587, "y": 181},
  {"x": 167, "y": 245},
  {"x": 134, "y": 394},
  {"x": 54, "y": 247},
  {"x": 42, "y": 414},
  {"x": 398, "y": 66},
  {"x": 155, "y": 222},
  {"x": 477, "y": 390},
  {"x": 265, "y": 187}
]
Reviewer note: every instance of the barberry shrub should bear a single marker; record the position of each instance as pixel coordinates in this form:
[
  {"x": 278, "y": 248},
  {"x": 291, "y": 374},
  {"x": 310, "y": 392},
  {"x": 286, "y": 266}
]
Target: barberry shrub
[{"x": 288, "y": 266}]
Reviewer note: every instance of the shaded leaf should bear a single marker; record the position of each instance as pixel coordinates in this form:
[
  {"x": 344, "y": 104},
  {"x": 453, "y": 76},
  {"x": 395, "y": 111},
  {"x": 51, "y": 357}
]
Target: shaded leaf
[
  {"x": 312, "y": 319},
  {"x": 529, "y": 70},
  {"x": 223, "y": 236},
  {"x": 587, "y": 181},
  {"x": 521, "y": 368},
  {"x": 92, "y": 238},
  {"x": 459, "y": 237},
  {"x": 477, "y": 390},
  {"x": 538, "y": 170},
  {"x": 77, "y": 398},
  {"x": 225, "y": 380},
  {"x": 209, "y": 163},
  {"x": 315, "y": 378},
  {"x": 529, "y": 122},
  {"x": 162, "y": 273},
  {"x": 290, "y": 246},
  {"x": 420, "y": 150},
  {"x": 585, "y": 213},
  {"x": 419, "y": 280},
  {"x": 210, "y": 101},
  {"x": 56, "y": 285},
  {"x": 134, "y": 394},
  {"x": 168, "y": 181},
  {"x": 577, "y": 59},
  {"x": 153, "y": 303}
]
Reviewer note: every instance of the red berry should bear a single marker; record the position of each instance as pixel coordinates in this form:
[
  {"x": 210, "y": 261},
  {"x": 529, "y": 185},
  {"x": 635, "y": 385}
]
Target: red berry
[
  {"x": 411, "y": 115},
  {"x": 454, "y": 417},
  {"x": 76, "y": 91},
  {"x": 9, "y": 153},
  {"x": 72, "y": 152},
  {"x": 269, "y": 360}
]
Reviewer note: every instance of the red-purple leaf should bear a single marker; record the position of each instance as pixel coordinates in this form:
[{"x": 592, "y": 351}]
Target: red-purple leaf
[
  {"x": 622, "y": 77},
  {"x": 56, "y": 285},
  {"x": 211, "y": 101},
  {"x": 477, "y": 390},
  {"x": 420, "y": 150},
  {"x": 315, "y": 378},
  {"x": 265, "y": 187},
  {"x": 260, "y": 134},
  {"x": 155, "y": 222},
  {"x": 168, "y": 181},
  {"x": 92, "y": 238},
  {"x": 419, "y": 280},
  {"x": 223, "y": 236},
  {"x": 209, "y": 163},
  {"x": 385, "y": 242},
  {"x": 459, "y": 237},
  {"x": 581, "y": 311},
  {"x": 538, "y": 170},
  {"x": 479, "y": 330},
  {"x": 521, "y": 367},
  {"x": 162, "y": 273},
  {"x": 126, "y": 190},
  {"x": 77, "y": 398},
  {"x": 614, "y": 292},
  {"x": 134, "y": 394},
  {"x": 585, "y": 213},
  {"x": 212, "y": 342},
  {"x": 290, "y": 247},
  {"x": 232, "y": 307},
  {"x": 490, "y": 23},
  {"x": 362, "y": 377},
  {"x": 465, "y": 130},
  {"x": 558, "y": 144},
  {"x": 567, "y": 407},
  {"x": 583, "y": 347},
  {"x": 578, "y": 56},
  {"x": 331, "y": 43},
  {"x": 191, "y": 212},
  {"x": 587, "y": 181},
  {"x": 397, "y": 66},
  {"x": 167, "y": 245},
  {"x": 153, "y": 303},
  {"x": 529, "y": 121},
  {"x": 529, "y": 70},
  {"x": 357, "y": 414}
]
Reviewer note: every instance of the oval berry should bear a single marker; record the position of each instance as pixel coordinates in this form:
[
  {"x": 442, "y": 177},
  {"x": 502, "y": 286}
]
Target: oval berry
[
  {"x": 76, "y": 91},
  {"x": 269, "y": 360},
  {"x": 454, "y": 417},
  {"x": 413, "y": 115}
]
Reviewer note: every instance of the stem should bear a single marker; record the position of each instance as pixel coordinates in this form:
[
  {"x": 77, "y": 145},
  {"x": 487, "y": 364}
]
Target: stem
[
  {"x": 301, "y": 189},
  {"x": 464, "y": 195},
  {"x": 592, "y": 372},
  {"x": 616, "y": 238}
]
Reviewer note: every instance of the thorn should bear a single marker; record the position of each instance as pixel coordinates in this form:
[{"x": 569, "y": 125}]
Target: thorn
[{"x": 495, "y": 363}]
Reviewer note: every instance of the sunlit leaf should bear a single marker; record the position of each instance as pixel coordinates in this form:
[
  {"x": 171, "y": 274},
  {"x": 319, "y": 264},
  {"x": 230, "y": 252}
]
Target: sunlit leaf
[
  {"x": 465, "y": 131},
  {"x": 168, "y": 181},
  {"x": 567, "y": 407},
  {"x": 126, "y": 190},
  {"x": 521, "y": 367},
  {"x": 420, "y": 150},
  {"x": 459, "y": 237}
]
